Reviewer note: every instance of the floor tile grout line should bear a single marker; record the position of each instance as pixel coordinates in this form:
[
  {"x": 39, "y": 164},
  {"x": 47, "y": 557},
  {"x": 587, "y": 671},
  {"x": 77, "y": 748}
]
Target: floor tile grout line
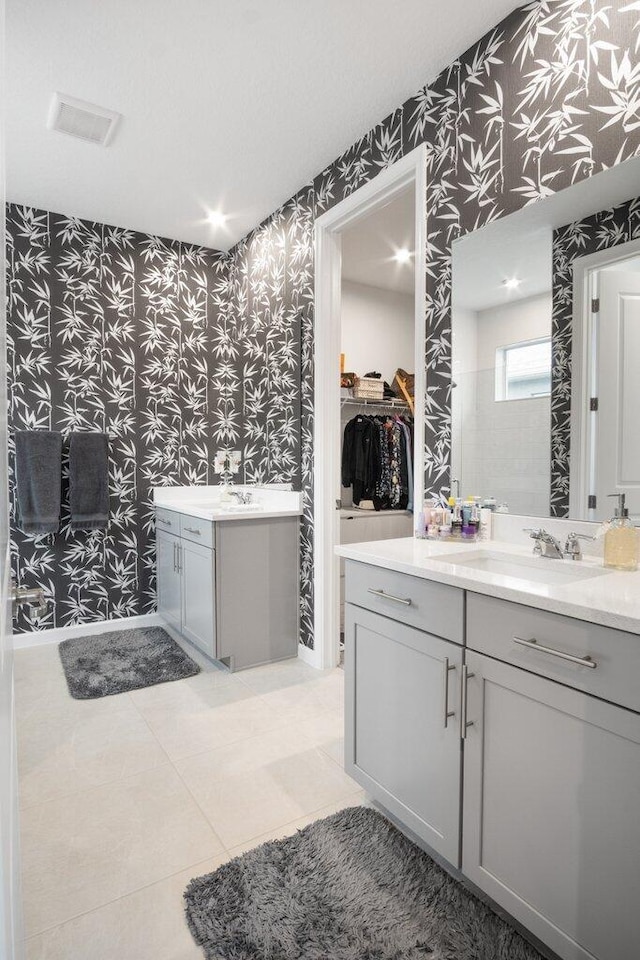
[{"x": 123, "y": 896}]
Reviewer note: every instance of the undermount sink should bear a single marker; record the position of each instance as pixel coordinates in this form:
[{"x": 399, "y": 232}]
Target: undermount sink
[
  {"x": 232, "y": 507},
  {"x": 537, "y": 569},
  {"x": 238, "y": 507}
]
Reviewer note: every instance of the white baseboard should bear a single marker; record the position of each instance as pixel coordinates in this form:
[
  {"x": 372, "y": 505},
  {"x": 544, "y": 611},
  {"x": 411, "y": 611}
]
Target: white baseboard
[
  {"x": 36, "y": 638},
  {"x": 312, "y": 657}
]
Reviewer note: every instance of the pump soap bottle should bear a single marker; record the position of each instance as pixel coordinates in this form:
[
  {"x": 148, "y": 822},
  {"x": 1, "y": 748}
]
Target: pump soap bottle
[{"x": 621, "y": 539}]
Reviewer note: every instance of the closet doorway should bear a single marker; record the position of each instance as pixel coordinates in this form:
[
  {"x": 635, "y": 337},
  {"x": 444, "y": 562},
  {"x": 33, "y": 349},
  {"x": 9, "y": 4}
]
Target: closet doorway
[{"x": 369, "y": 318}]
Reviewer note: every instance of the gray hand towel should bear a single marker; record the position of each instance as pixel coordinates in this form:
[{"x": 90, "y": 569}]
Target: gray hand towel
[
  {"x": 38, "y": 472},
  {"x": 89, "y": 481}
]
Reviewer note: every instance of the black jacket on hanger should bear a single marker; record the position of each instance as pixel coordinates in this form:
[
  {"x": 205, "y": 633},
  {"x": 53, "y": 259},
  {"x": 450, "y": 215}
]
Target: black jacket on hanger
[{"x": 361, "y": 458}]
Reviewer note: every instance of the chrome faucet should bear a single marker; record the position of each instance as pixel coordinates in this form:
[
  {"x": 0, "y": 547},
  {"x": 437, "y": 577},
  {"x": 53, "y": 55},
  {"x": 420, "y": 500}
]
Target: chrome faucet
[
  {"x": 244, "y": 496},
  {"x": 34, "y": 599},
  {"x": 546, "y": 544},
  {"x": 572, "y": 546}
]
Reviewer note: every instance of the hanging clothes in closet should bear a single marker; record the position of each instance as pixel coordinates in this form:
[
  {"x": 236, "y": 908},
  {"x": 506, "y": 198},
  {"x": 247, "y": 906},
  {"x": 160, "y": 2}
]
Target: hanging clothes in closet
[{"x": 377, "y": 461}]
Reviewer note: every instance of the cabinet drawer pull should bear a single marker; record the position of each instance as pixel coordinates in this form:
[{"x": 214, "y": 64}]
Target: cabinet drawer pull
[
  {"x": 464, "y": 723},
  {"x": 533, "y": 643},
  {"x": 192, "y": 530},
  {"x": 389, "y": 596},
  {"x": 167, "y": 523},
  {"x": 447, "y": 713}
]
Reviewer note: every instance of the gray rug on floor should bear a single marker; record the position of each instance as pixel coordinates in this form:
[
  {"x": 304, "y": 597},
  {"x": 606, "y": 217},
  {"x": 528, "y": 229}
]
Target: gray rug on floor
[
  {"x": 108, "y": 663},
  {"x": 350, "y": 887}
]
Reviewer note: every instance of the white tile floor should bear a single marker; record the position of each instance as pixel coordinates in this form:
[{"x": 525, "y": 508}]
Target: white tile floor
[{"x": 124, "y": 799}]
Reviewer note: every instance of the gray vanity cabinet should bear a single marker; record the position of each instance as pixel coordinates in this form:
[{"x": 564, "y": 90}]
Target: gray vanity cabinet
[
  {"x": 551, "y": 811},
  {"x": 230, "y": 587},
  {"x": 168, "y": 578},
  {"x": 186, "y": 585},
  {"x": 398, "y": 745},
  {"x": 197, "y": 570},
  {"x": 402, "y": 688}
]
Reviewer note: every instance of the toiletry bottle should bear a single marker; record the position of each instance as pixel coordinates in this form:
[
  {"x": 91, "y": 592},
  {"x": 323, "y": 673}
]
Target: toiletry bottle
[
  {"x": 621, "y": 539},
  {"x": 456, "y": 521},
  {"x": 486, "y": 523}
]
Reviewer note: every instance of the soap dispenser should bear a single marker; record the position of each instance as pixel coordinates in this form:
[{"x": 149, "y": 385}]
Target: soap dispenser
[{"x": 621, "y": 539}]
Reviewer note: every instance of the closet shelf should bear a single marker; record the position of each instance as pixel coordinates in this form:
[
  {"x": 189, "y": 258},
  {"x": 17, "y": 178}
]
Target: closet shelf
[{"x": 362, "y": 402}]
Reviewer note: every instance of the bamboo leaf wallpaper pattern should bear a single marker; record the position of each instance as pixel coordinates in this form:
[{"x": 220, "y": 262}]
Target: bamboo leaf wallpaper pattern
[
  {"x": 181, "y": 351},
  {"x": 141, "y": 337}
]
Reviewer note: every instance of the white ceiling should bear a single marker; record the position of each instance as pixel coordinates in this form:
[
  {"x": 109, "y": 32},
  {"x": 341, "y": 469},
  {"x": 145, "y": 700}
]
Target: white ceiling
[
  {"x": 520, "y": 245},
  {"x": 226, "y": 103},
  {"x": 369, "y": 246}
]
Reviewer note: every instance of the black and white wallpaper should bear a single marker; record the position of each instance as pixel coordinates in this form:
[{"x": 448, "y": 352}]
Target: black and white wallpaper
[
  {"x": 145, "y": 339},
  {"x": 603, "y": 230},
  {"x": 547, "y": 98}
]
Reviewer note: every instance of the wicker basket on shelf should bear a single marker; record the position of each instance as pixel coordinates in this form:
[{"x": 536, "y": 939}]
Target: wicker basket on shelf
[{"x": 369, "y": 388}]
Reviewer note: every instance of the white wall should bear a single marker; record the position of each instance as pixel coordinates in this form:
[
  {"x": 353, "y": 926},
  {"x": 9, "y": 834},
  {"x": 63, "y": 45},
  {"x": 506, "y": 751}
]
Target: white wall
[
  {"x": 500, "y": 448},
  {"x": 521, "y": 320},
  {"x": 377, "y": 330}
]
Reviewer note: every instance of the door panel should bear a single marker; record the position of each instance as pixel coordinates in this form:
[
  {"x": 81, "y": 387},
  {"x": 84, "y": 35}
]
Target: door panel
[
  {"x": 197, "y": 572},
  {"x": 169, "y": 604},
  {"x": 10, "y": 906},
  {"x": 551, "y": 814},
  {"x": 396, "y": 743},
  {"x": 618, "y": 425}
]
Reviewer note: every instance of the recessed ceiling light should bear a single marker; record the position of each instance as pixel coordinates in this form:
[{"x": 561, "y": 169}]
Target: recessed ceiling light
[
  {"x": 512, "y": 284},
  {"x": 402, "y": 255},
  {"x": 216, "y": 218}
]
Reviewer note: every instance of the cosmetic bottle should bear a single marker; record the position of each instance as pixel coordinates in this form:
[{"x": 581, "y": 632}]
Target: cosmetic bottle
[{"x": 621, "y": 539}]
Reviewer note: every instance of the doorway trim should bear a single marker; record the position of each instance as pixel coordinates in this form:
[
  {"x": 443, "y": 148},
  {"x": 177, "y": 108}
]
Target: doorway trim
[
  {"x": 410, "y": 169},
  {"x": 583, "y": 331}
]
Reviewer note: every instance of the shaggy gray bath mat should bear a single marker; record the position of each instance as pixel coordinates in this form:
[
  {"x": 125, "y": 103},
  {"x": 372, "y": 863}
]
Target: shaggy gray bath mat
[
  {"x": 350, "y": 887},
  {"x": 107, "y": 663}
]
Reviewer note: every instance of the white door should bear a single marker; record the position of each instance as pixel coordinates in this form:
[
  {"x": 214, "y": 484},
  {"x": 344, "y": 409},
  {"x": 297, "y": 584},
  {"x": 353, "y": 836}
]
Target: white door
[
  {"x": 168, "y": 575},
  {"x": 617, "y": 461},
  {"x": 10, "y": 914},
  {"x": 198, "y": 595},
  {"x": 551, "y": 810},
  {"x": 400, "y": 684}
]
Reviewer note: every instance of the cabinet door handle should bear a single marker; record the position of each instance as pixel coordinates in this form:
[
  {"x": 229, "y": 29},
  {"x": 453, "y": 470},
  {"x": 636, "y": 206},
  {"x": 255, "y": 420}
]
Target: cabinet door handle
[
  {"x": 533, "y": 644},
  {"x": 464, "y": 723},
  {"x": 192, "y": 530},
  {"x": 179, "y": 546},
  {"x": 167, "y": 523},
  {"x": 389, "y": 596},
  {"x": 445, "y": 677}
]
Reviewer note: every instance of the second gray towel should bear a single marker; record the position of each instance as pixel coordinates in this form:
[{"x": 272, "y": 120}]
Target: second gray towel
[
  {"x": 38, "y": 469},
  {"x": 89, "y": 481}
]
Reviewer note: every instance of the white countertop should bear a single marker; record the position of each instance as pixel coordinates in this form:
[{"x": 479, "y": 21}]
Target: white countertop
[
  {"x": 611, "y": 598},
  {"x": 204, "y": 502}
]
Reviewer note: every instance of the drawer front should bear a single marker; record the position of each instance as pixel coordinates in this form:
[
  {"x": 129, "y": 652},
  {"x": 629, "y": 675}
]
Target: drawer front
[
  {"x": 433, "y": 607},
  {"x": 197, "y": 530},
  {"x": 493, "y": 626},
  {"x": 168, "y": 520}
]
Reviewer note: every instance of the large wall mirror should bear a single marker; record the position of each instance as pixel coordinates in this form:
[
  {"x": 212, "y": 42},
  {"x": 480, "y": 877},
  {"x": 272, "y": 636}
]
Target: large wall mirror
[{"x": 546, "y": 352}]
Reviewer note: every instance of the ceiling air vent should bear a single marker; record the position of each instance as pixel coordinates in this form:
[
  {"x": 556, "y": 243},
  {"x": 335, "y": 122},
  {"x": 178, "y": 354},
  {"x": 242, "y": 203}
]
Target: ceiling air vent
[{"x": 81, "y": 119}]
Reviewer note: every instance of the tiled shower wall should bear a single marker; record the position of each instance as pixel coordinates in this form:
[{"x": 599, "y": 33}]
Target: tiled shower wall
[{"x": 543, "y": 100}]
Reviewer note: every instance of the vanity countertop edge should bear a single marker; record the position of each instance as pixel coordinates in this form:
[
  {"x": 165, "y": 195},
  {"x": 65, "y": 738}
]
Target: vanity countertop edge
[
  {"x": 199, "y": 501},
  {"x": 610, "y": 600}
]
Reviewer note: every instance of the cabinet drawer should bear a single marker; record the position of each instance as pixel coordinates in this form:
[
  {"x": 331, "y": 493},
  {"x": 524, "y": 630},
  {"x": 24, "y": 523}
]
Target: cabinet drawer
[
  {"x": 168, "y": 520},
  {"x": 493, "y": 624},
  {"x": 433, "y": 607},
  {"x": 197, "y": 530}
]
